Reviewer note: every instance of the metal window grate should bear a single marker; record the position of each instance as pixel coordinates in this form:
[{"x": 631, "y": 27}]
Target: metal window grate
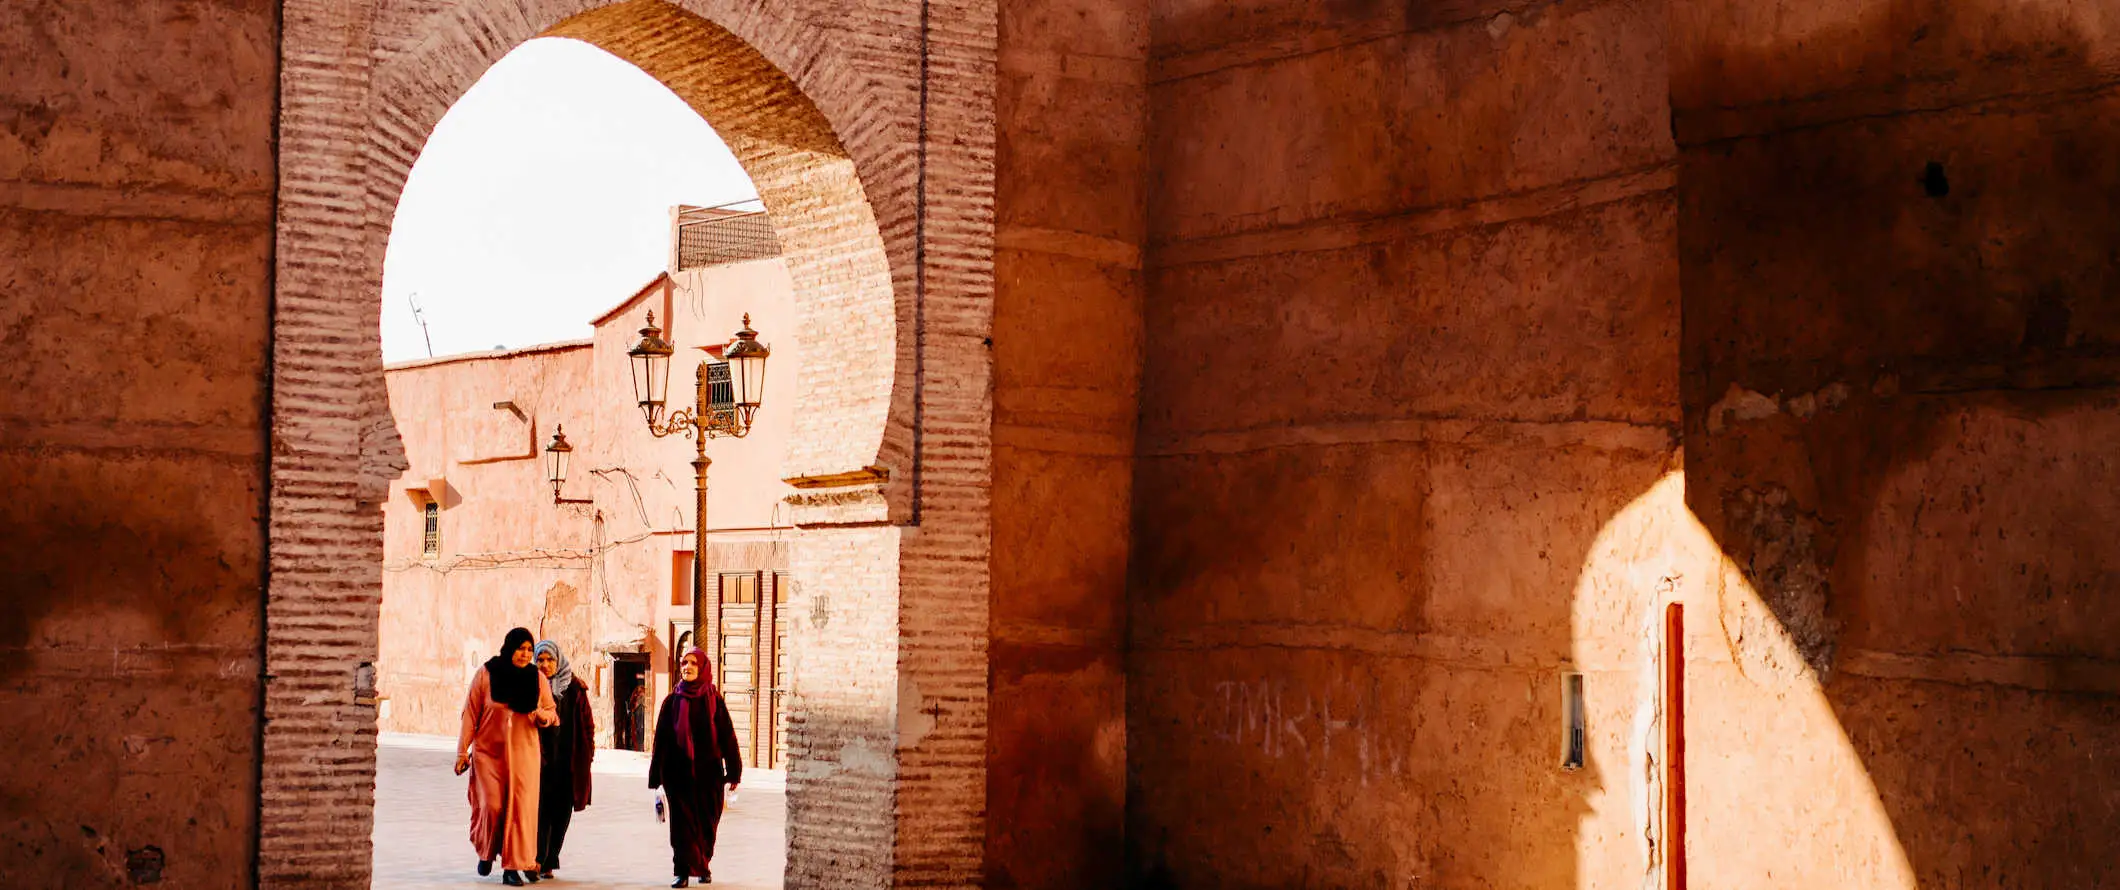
[
  {"x": 433, "y": 545},
  {"x": 711, "y": 240},
  {"x": 721, "y": 393}
]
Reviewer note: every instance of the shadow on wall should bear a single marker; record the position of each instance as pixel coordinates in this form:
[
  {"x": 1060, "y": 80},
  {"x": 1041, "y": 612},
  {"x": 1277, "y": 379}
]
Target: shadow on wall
[
  {"x": 1308, "y": 715},
  {"x": 1899, "y": 380},
  {"x": 124, "y": 668},
  {"x": 1902, "y": 390},
  {"x": 1376, "y": 477},
  {"x": 188, "y": 580}
]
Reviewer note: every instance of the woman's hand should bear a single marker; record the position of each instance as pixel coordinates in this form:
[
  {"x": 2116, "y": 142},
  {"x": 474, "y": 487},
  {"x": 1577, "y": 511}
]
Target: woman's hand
[{"x": 463, "y": 762}]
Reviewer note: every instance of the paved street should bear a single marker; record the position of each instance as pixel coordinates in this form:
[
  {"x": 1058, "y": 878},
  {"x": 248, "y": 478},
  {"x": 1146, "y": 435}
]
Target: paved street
[{"x": 422, "y": 819}]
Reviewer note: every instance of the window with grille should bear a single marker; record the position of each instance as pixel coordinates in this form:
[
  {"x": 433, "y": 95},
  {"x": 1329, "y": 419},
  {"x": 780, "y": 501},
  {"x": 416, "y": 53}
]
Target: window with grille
[
  {"x": 433, "y": 543},
  {"x": 721, "y": 393}
]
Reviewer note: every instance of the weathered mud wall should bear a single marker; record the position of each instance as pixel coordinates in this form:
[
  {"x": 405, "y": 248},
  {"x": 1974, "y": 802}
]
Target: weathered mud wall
[
  {"x": 506, "y": 556},
  {"x": 1411, "y": 344},
  {"x": 1069, "y": 176},
  {"x": 1901, "y": 318},
  {"x": 136, "y": 189}
]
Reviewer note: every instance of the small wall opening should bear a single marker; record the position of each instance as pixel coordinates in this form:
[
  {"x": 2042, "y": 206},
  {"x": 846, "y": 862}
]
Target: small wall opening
[{"x": 1574, "y": 745}]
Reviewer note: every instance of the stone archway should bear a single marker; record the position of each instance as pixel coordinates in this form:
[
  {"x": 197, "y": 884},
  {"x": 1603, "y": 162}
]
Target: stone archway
[{"x": 871, "y": 142}]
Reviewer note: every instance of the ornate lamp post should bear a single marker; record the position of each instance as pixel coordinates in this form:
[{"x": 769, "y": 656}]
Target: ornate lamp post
[
  {"x": 557, "y": 456},
  {"x": 726, "y": 395}
]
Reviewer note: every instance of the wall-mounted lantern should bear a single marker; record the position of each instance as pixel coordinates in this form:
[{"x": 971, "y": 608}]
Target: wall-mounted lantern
[{"x": 556, "y": 458}]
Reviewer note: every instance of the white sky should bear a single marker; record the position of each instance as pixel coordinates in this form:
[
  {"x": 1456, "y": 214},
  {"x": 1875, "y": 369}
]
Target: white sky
[{"x": 543, "y": 198}]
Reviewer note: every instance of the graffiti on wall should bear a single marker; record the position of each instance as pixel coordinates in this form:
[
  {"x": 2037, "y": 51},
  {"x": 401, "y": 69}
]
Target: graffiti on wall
[{"x": 1333, "y": 728}]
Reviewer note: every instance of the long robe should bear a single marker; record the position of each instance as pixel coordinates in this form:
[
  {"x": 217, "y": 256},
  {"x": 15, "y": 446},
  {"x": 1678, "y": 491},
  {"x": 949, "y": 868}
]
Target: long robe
[
  {"x": 568, "y": 750},
  {"x": 505, "y": 764},
  {"x": 692, "y": 784}
]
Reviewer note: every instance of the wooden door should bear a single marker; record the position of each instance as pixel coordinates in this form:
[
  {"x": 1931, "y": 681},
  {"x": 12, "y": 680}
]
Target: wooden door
[
  {"x": 736, "y": 657},
  {"x": 776, "y": 718}
]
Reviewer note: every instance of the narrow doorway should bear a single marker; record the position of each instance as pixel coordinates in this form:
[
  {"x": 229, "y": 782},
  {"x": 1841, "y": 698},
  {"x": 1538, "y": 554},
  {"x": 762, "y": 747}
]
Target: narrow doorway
[
  {"x": 629, "y": 702},
  {"x": 751, "y": 661},
  {"x": 737, "y": 655}
]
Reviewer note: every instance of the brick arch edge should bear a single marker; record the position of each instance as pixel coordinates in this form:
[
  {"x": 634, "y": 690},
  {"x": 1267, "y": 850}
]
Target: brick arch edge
[{"x": 888, "y": 780}]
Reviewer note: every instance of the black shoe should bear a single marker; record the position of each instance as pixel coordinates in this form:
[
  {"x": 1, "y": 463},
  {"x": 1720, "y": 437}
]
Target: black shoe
[
  {"x": 485, "y": 867},
  {"x": 682, "y": 881},
  {"x": 530, "y": 874},
  {"x": 545, "y": 874},
  {"x": 707, "y": 878},
  {"x": 510, "y": 878}
]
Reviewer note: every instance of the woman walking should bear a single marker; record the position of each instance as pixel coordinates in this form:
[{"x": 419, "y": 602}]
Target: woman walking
[
  {"x": 695, "y": 754},
  {"x": 499, "y": 745},
  {"x": 567, "y": 749}
]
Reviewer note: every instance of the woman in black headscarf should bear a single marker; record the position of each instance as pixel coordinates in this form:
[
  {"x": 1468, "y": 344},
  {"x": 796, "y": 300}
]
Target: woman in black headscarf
[
  {"x": 568, "y": 749},
  {"x": 499, "y": 746},
  {"x": 695, "y": 754}
]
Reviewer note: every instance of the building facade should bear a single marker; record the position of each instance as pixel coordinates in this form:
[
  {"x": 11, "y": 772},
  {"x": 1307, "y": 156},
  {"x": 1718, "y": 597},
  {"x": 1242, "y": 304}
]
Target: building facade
[
  {"x": 478, "y": 541},
  {"x": 1267, "y": 440}
]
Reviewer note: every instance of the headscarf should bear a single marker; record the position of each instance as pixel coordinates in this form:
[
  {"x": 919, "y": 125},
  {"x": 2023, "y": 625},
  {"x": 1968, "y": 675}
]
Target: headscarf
[
  {"x": 513, "y": 686},
  {"x": 688, "y": 693},
  {"x": 695, "y": 689},
  {"x": 562, "y": 678}
]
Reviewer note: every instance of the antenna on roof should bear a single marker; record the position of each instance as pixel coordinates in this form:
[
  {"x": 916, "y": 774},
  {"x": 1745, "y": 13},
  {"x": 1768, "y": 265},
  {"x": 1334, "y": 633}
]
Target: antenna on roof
[
  {"x": 422, "y": 320},
  {"x": 738, "y": 203}
]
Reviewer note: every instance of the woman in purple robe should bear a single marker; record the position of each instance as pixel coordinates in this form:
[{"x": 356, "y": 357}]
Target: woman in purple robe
[{"x": 695, "y": 755}]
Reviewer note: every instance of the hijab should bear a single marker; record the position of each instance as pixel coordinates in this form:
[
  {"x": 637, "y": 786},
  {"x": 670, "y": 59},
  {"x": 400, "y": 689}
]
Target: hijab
[
  {"x": 690, "y": 693},
  {"x": 696, "y": 689},
  {"x": 514, "y": 686},
  {"x": 562, "y": 678}
]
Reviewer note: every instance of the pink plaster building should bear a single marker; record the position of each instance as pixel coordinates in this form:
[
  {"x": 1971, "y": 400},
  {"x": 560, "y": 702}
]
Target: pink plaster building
[{"x": 477, "y": 541}]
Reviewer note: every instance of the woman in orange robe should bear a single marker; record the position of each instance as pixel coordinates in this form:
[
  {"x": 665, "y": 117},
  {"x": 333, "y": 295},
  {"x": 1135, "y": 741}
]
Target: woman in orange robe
[{"x": 498, "y": 744}]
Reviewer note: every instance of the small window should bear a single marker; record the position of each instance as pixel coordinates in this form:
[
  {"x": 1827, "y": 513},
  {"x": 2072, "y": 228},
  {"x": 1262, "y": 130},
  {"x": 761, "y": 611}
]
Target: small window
[
  {"x": 433, "y": 544},
  {"x": 681, "y": 578},
  {"x": 1572, "y": 742},
  {"x": 721, "y": 389}
]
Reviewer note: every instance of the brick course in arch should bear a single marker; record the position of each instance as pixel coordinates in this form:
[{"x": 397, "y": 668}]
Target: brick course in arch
[{"x": 869, "y": 131}]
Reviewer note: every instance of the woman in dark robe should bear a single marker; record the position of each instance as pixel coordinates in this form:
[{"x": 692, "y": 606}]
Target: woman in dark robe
[
  {"x": 568, "y": 749},
  {"x": 498, "y": 745},
  {"x": 695, "y": 755}
]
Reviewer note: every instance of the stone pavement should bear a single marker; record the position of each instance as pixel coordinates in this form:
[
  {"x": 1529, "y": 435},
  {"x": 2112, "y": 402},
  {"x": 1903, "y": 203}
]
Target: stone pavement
[{"x": 422, "y": 827}]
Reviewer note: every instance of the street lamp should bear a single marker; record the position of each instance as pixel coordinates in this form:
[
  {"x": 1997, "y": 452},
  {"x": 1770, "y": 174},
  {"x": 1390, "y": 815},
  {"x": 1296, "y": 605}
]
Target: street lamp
[
  {"x": 651, "y": 371},
  {"x": 726, "y": 395},
  {"x": 556, "y": 458}
]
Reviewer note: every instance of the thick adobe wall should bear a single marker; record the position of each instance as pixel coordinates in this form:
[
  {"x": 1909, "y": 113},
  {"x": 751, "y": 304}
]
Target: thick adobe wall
[
  {"x": 1071, "y": 110},
  {"x": 136, "y": 180},
  {"x": 1411, "y": 340},
  {"x": 1901, "y": 316}
]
